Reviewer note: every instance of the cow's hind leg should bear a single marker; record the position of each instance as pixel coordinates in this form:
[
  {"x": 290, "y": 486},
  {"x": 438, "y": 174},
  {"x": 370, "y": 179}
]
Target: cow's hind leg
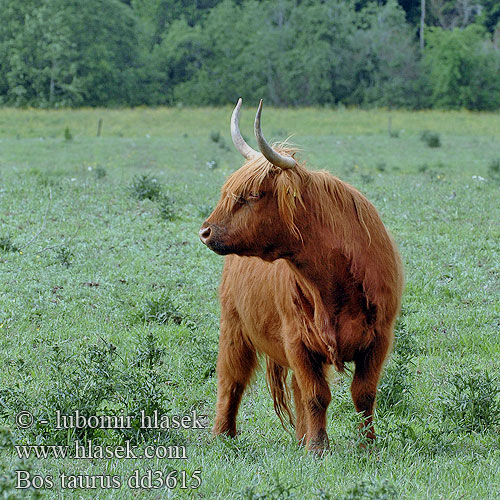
[
  {"x": 235, "y": 365},
  {"x": 369, "y": 365},
  {"x": 308, "y": 370}
]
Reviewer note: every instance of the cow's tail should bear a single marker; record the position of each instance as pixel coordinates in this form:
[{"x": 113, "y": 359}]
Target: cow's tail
[{"x": 276, "y": 380}]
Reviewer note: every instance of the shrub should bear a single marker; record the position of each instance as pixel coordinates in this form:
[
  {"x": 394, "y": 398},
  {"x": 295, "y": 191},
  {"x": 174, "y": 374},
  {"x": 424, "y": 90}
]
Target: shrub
[
  {"x": 215, "y": 136},
  {"x": 432, "y": 139},
  {"x": 374, "y": 489},
  {"x": 6, "y": 244},
  {"x": 166, "y": 208},
  {"x": 472, "y": 402},
  {"x": 97, "y": 381},
  {"x": 145, "y": 187},
  {"x": 64, "y": 256},
  {"x": 494, "y": 168},
  {"x": 68, "y": 136},
  {"x": 276, "y": 491},
  {"x": 100, "y": 172},
  {"x": 161, "y": 310}
]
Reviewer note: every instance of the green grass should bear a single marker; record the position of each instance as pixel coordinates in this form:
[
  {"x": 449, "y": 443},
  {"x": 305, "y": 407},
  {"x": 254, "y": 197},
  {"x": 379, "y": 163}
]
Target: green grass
[{"x": 108, "y": 301}]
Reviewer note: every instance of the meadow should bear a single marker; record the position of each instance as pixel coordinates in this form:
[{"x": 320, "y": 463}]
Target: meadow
[{"x": 108, "y": 303}]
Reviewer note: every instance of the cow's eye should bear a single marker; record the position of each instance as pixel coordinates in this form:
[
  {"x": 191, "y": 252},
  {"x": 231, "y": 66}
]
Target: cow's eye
[{"x": 255, "y": 196}]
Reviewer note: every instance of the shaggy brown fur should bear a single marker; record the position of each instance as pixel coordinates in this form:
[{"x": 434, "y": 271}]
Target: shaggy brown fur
[{"x": 312, "y": 278}]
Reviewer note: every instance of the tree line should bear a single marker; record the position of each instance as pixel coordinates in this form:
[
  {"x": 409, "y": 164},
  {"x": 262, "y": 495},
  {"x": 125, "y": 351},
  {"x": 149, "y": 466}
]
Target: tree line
[{"x": 412, "y": 54}]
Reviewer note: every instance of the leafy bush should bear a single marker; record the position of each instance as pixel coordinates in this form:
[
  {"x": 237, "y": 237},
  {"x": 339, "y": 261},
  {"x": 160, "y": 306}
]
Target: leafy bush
[
  {"x": 97, "y": 381},
  {"x": 375, "y": 489},
  {"x": 68, "y": 136},
  {"x": 145, "y": 187},
  {"x": 166, "y": 208},
  {"x": 160, "y": 309},
  {"x": 276, "y": 491},
  {"x": 215, "y": 136},
  {"x": 6, "y": 244},
  {"x": 472, "y": 402},
  {"x": 64, "y": 256},
  {"x": 432, "y": 139},
  {"x": 100, "y": 172},
  {"x": 494, "y": 168}
]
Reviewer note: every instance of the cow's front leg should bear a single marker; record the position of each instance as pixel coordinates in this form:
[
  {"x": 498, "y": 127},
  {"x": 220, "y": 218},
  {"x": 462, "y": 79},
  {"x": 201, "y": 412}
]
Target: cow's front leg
[
  {"x": 308, "y": 369},
  {"x": 300, "y": 420},
  {"x": 235, "y": 364}
]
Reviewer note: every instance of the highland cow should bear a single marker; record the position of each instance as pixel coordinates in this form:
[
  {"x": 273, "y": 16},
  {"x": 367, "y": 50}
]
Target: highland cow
[{"x": 311, "y": 279}]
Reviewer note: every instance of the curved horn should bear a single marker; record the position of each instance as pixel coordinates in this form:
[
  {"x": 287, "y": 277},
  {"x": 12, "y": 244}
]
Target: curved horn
[
  {"x": 271, "y": 155},
  {"x": 238, "y": 140}
]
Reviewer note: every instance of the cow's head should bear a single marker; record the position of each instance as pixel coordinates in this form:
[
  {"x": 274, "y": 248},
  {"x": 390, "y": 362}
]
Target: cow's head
[{"x": 257, "y": 212}]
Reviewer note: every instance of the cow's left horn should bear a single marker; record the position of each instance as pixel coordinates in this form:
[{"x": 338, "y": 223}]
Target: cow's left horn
[
  {"x": 238, "y": 140},
  {"x": 271, "y": 155}
]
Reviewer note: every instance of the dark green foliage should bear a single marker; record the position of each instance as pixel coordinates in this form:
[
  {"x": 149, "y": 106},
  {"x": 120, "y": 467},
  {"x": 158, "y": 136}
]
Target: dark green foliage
[
  {"x": 68, "y": 136},
  {"x": 432, "y": 139},
  {"x": 8, "y": 476},
  {"x": 149, "y": 354},
  {"x": 166, "y": 208},
  {"x": 97, "y": 381},
  {"x": 6, "y": 244},
  {"x": 160, "y": 309},
  {"x": 276, "y": 491},
  {"x": 49, "y": 59},
  {"x": 157, "y": 52},
  {"x": 218, "y": 139},
  {"x": 471, "y": 402},
  {"x": 64, "y": 256},
  {"x": 462, "y": 69},
  {"x": 425, "y": 434},
  {"x": 494, "y": 169},
  {"x": 490, "y": 15},
  {"x": 145, "y": 187},
  {"x": 215, "y": 136},
  {"x": 373, "y": 489},
  {"x": 100, "y": 172}
]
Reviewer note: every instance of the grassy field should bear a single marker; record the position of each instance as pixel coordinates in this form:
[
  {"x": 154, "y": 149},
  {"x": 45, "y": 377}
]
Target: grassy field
[{"x": 108, "y": 304}]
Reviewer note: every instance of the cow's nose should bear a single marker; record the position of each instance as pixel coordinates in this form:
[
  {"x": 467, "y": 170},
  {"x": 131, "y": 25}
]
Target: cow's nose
[{"x": 205, "y": 233}]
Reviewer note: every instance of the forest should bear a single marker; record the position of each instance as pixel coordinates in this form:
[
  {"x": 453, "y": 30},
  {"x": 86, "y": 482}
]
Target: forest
[{"x": 420, "y": 54}]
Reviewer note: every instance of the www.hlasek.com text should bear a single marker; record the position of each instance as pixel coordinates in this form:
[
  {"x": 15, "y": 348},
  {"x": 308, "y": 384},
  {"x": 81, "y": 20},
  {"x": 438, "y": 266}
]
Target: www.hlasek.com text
[{"x": 90, "y": 450}]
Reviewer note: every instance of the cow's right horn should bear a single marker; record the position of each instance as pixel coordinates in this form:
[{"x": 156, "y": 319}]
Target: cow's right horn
[
  {"x": 238, "y": 140},
  {"x": 271, "y": 155}
]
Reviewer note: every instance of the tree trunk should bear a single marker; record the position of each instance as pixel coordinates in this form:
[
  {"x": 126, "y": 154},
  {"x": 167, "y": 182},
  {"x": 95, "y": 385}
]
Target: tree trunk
[
  {"x": 52, "y": 83},
  {"x": 422, "y": 24}
]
